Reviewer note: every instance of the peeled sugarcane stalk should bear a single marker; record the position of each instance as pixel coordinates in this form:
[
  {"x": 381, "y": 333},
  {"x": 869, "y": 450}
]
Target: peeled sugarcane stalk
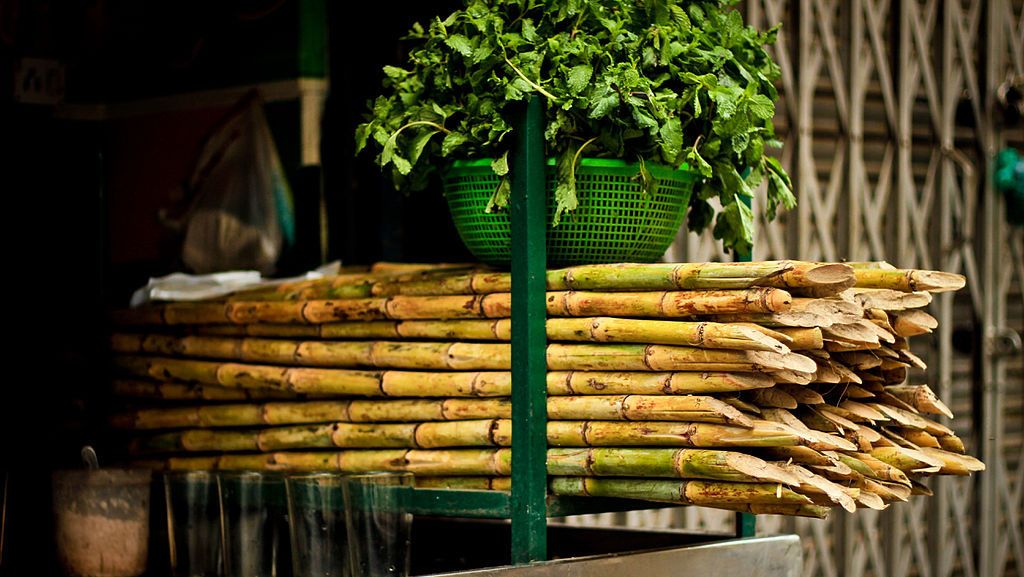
[
  {"x": 457, "y": 356},
  {"x": 773, "y": 398},
  {"x": 800, "y": 455},
  {"x": 952, "y": 443},
  {"x": 334, "y": 382},
  {"x": 814, "y": 280},
  {"x": 462, "y": 284},
  {"x": 850, "y": 334},
  {"x": 646, "y": 408},
  {"x": 703, "y": 335},
  {"x": 431, "y": 462},
  {"x": 810, "y": 511},
  {"x": 184, "y": 391},
  {"x": 675, "y": 463},
  {"x": 803, "y": 339},
  {"x": 712, "y": 275},
  {"x": 814, "y": 485},
  {"x": 350, "y": 410},
  {"x": 887, "y": 493},
  {"x": 909, "y": 280},
  {"x": 320, "y": 381},
  {"x": 919, "y": 438},
  {"x": 701, "y": 493},
  {"x": 890, "y": 300},
  {"x": 918, "y": 488},
  {"x": 479, "y": 433},
  {"x": 912, "y": 420},
  {"x": 908, "y": 460},
  {"x": 741, "y": 405},
  {"x": 667, "y": 304},
  {"x": 921, "y": 398},
  {"x": 913, "y": 322},
  {"x": 864, "y": 411},
  {"x": 648, "y": 383},
  {"x": 490, "y": 306},
  {"x": 666, "y": 358},
  {"x": 868, "y": 500},
  {"x": 780, "y": 320},
  {"x": 669, "y": 434},
  {"x": 912, "y": 359},
  {"x": 587, "y": 329},
  {"x": 881, "y": 470},
  {"x": 953, "y": 463},
  {"x": 801, "y": 394}
]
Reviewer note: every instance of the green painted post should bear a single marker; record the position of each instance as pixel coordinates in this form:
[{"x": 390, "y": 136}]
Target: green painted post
[
  {"x": 529, "y": 339},
  {"x": 746, "y": 524}
]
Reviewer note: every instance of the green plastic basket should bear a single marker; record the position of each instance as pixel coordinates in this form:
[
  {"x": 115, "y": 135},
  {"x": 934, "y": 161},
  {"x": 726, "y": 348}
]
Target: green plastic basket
[{"x": 615, "y": 221}]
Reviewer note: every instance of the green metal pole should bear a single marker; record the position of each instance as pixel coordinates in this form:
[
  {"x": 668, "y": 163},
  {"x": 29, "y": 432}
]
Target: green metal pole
[
  {"x": 529, "y": 340},
  {"x": 746, "y": 524}
]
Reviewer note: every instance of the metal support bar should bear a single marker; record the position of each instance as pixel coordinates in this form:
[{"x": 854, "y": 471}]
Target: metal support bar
[{"x": 529, "y": 340}]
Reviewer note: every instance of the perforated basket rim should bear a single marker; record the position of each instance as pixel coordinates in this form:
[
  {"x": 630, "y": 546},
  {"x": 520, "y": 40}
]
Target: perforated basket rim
[{"x": 613, "y": 166}]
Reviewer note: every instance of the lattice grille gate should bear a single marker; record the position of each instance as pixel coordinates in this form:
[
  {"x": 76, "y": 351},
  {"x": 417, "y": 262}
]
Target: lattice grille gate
[{"x": 886, "y": 114}]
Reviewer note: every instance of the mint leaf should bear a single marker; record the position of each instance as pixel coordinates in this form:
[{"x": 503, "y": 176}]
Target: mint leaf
[
  {"x": 460, "y": 44},
  {"x": 500, "y": 165},
  {"x": 451, "y": 141},
  {"x": 671, "y": 134},
  {"x": 579, "y": 78}
]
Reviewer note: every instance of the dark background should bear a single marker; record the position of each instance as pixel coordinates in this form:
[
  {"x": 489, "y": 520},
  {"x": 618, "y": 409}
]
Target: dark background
[{"x": 81, "y": 213}]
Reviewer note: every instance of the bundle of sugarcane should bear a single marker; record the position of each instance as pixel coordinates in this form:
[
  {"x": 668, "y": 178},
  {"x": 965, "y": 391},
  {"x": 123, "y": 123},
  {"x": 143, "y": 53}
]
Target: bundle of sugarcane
[{"x": 769, "y": 387}]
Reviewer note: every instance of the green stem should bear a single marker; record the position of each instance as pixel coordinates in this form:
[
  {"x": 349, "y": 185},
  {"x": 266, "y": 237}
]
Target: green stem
[{"x": 535, "y": 86}]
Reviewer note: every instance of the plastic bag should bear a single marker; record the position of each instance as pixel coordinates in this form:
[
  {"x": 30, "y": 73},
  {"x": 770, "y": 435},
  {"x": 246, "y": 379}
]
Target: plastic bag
[{"x": 242, "y": 214}]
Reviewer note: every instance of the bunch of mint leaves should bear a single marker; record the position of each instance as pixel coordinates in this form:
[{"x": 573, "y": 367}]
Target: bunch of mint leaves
[{"x": 655, "y": 81}]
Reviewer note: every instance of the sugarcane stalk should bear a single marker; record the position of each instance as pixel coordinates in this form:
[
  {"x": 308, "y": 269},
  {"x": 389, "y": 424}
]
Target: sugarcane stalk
[
  {"x": 890, "y": 300},
  {"x": 331, "y": 382},
  {"x": 918, "y": 488},
  {"x": 645, "y": 408},
  {"x": 952, "y": 443},
  {"x": 953, "y": 463},
  {"x": 912, "y": 420},
  {"x": 672, "y": 463},
  {"x": 809, "y": 511},
  {"x": 908, "y": 460},
  {"x": 702, "y": 493},
  {"x": 741, "y": 405},
  {"x": 907, "y": 280},
  {"x": 184, "y": 391},
  {"x": 801, "y": 394},
  {"x": 801, "y": 455},
  {"x": 702, "y": 335},
  {"x": 651, "y": 383},
  {"x": 668, "y": 434},
  {"x": 320, "y": 381},
  {"x": 667, "y": 276},
  {"x": 356, "y": 411},
  {"x": 913, "y": 322},
  {"x": 427, "y": 462},
  {"x": 457, "y": 356},
  {"x": 881, "y": 470},
  {"x": 803, "y": 339},
  {"x": 920, "y": 397},
  {"x": 772, "y": 398},
  {"x": 811, "y": 484},
  {"x": 885, "y": 492},
  {"x": 919, "y": 438}
]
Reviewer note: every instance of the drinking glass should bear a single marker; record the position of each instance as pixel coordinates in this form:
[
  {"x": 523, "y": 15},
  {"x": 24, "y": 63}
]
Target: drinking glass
[
  {"x": 316, "y": 519},
  {"x": 253, "y": 523},
  {"x": 379, "y": 523},
  {"x": 193, "y": 523}
]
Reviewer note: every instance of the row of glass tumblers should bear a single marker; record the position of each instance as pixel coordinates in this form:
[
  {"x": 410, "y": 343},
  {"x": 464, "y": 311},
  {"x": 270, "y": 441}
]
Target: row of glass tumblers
[{"x": 266, "y": 524}]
